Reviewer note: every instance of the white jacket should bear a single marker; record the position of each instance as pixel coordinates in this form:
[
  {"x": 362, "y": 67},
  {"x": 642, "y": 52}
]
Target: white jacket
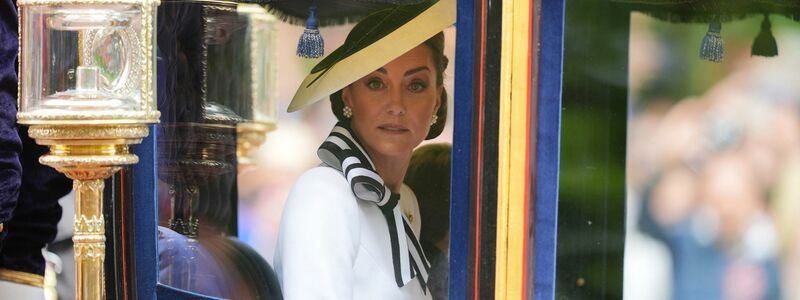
[{"x": 333, "y": 246}]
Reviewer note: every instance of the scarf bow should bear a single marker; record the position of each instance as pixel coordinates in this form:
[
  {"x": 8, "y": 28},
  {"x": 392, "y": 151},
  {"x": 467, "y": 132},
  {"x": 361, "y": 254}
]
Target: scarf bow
[{"x": 342, "y": 151}]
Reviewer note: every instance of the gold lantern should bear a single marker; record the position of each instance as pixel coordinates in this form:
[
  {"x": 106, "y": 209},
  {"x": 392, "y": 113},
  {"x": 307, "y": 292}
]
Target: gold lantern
[
  {"x": 259, "y": 81},
  {"x": 87, "y": 91}
]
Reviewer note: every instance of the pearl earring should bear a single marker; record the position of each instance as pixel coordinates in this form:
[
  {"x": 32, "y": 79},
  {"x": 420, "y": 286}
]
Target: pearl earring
[
  {"x": 347, "y": 112},
  {"x": 434, "y": 119}
]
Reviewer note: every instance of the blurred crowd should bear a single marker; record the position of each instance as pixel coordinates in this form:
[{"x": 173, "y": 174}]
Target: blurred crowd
[{"x": 714, "y": 178}]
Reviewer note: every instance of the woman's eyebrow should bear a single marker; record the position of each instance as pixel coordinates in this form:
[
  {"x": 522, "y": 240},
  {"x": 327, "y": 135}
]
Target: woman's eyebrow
[
  {"x": 417, "y": 69},
  {"x": 409, "y": 72}
]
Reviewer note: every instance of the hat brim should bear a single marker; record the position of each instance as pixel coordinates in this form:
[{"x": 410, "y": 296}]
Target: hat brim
[{"x": 319, "y": 85}]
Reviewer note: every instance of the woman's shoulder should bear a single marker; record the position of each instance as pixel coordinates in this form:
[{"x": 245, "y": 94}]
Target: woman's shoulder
[
  {"x": 324, "y": 176},
  {"x": 321, "y": 186},
  {"x": 406, "y": 191}
]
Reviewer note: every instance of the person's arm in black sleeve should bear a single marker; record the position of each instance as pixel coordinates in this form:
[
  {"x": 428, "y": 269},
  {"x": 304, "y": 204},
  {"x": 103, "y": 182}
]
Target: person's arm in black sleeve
[
  {"x": 10, "y": 146},
  {"x": 36, "y": 217},
  {"x": 30, "y": 189}
]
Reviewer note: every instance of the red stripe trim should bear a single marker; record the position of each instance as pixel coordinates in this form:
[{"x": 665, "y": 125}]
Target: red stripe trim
[
  {"x": 124, "y": 234},
  {"x": 479, "y": 164},
  {"x": 528, "y": 146}
]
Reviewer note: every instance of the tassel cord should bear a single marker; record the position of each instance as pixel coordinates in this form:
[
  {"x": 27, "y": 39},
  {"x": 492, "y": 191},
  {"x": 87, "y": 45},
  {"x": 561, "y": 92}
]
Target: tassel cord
[
  {"x": 712, "y": 48},
  {"x": 311, "y": 44},
  {"x": 765, "y": 43}
]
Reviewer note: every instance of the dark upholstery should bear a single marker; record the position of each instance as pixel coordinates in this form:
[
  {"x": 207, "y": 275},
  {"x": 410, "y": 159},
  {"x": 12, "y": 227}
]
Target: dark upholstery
[
  {"x": 10, "y": 146},
  {"x": 29, "y": 191}
]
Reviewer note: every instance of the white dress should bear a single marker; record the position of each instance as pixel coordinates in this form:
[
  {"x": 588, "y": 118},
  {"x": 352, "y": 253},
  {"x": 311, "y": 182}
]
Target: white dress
[{"x": 334, "y": 246}]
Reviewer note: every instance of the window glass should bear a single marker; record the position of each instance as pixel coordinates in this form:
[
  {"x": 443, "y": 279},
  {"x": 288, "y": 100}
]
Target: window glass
[
  {"x": 713, "y": 159},
  {"x": 291, "y": 150},
  {"x": 229, "y": 153},
  {"x": 680, "y": 151},
  {"x": 591, "y": 204}
]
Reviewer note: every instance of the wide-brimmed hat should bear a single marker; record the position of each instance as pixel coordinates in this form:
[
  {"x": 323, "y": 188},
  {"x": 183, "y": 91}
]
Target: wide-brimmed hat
[{"x": 375, "y": 41}]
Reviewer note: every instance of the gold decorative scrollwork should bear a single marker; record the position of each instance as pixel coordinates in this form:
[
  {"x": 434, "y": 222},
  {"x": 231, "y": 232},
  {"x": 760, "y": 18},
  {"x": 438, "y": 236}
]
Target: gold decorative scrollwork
[
  {"x": 87, "y": 168},
  {"x": 89, "y": 237},
  {"x": 93, "y": 224},
  {"x": 55, "y": 161},
  {"x": 147, "y": 33},
  {"x": 78, "y": 174},
  {"x": 63, "y": 132},
  {"x": 59, "y": 2},
  {"x": 87, "y": 117},
  {"x": 94, "y": 251},
  {"x": 94, "y": 186}
]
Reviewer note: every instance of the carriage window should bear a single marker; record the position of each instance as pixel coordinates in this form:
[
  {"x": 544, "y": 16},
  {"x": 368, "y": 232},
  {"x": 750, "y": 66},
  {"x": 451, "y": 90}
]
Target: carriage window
[
  {"x": 679, "y": 152},
  {"x": 291, "y": 149},
  {"x": 229, "y": 153}
]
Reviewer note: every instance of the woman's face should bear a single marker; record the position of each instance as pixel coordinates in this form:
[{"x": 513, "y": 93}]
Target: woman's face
[{"x": 393, "y": 106}]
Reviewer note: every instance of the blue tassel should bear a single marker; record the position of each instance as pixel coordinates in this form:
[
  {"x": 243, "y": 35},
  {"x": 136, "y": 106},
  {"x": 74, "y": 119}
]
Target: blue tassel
[
  {"x": 765, "y": 44},
  {"x": 311, "y": 44},
  {"x": 713, "y": 48}
]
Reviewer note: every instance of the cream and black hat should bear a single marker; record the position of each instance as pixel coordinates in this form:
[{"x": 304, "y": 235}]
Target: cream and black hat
[{"x": 375, "y": 41}]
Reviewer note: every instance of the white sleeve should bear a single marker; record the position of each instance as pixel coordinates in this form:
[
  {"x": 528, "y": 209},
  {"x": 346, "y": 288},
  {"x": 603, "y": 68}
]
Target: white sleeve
[
  {"x": 319, "y": 238},
  {"x": 13, "y": 290}
]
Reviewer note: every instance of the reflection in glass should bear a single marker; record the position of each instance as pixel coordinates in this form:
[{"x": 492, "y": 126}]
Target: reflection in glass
[
  {"x": 200, "y": 65},
  {"x": 258, "y": 82},
  {"x": 109, "y": 54}
]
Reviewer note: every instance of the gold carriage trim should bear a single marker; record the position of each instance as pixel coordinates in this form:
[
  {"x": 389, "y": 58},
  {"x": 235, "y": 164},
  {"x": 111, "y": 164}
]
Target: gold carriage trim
[{"x": 22, "y": 277}]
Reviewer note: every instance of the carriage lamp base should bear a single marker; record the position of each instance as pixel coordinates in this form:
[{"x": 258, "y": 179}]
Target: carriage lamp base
[{"x": 88, "y": 154}]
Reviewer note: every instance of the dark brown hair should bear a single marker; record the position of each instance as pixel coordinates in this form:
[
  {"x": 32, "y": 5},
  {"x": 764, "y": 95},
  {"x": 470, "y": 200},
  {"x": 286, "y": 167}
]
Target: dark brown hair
[
  {"x": 436, "y": 44},
  {"x": 428, "y": 176}
]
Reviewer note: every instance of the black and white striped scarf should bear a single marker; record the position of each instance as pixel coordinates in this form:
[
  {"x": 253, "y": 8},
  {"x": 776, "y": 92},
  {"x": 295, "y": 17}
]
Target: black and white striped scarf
[{"x": 342, "y": 151}]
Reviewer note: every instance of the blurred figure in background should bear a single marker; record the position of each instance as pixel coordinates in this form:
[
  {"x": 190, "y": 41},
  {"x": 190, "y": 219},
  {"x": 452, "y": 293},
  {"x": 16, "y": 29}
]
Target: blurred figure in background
[
  {"x": 716, "y": 226},
  {"x": 714, "y": 160},
  {"x": 429, "y": 177}
]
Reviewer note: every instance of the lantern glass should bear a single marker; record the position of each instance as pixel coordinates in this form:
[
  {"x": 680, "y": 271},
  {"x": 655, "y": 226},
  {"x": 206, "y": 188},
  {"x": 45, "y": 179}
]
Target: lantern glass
[{"x": 82, "y": 58}]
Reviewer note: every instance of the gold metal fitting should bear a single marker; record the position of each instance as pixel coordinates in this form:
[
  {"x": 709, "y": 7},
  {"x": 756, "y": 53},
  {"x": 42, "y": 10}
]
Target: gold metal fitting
[
  {"x": 88, "y": 153},
  {"x": 72, "y": 150}
]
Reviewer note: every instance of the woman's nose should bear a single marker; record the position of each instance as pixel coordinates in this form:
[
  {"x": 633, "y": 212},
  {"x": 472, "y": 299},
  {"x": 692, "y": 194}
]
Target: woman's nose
[{"x": 396, "y": 105}]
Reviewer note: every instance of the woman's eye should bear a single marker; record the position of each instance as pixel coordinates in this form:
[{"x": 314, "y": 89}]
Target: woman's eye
[
  {"x": 417, "y": 86},
  {"x": 374, "y": 84}
]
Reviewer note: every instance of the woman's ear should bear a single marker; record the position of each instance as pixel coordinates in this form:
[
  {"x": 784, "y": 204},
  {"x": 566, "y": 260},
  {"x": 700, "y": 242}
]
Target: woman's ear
[
  {"x": 439, "y": 91},
  {"x": 346, "y": 97}
]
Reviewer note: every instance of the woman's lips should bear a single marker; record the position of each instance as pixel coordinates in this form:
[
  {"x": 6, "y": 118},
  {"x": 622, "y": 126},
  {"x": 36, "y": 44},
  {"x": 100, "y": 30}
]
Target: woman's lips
[{"x": 393, "y": 128}]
